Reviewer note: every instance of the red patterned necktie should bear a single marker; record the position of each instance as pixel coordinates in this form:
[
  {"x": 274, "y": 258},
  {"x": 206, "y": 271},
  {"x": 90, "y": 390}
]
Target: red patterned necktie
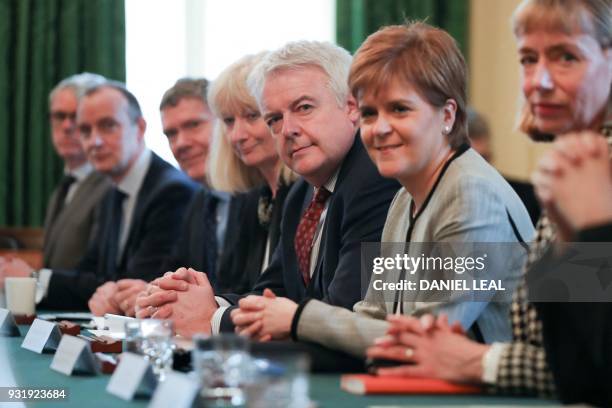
[{"x": 304, "y": 236}]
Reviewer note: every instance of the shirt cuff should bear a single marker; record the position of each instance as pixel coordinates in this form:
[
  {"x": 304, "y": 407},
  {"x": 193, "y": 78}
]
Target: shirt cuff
[
  {"x": 42, "y": 286},
  {"x": 490, "y": 362},
  {"x": 215, "y": 322}
]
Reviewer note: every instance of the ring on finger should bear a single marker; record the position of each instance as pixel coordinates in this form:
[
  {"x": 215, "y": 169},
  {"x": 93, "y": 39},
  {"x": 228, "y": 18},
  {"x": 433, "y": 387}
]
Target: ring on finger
[{"x": 409, "y": 352}]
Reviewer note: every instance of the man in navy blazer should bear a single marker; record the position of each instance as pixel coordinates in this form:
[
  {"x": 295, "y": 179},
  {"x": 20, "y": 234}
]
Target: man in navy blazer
[
  {"x": 303, "y": 94},
  {"x": 212, "y": 222},
  {"x": 139, "y": 217}
]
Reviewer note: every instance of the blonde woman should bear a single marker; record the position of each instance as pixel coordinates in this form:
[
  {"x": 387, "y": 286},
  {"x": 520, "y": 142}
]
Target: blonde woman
[{"x": 244, "y": 160}]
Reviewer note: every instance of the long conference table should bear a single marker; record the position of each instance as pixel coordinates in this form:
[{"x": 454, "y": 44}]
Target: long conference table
[{"x": 23, "y": 368}]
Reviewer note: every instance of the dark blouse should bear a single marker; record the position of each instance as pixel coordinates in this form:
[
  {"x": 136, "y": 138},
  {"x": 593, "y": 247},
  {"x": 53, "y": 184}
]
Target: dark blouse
[{"x": 260, "y": 218}]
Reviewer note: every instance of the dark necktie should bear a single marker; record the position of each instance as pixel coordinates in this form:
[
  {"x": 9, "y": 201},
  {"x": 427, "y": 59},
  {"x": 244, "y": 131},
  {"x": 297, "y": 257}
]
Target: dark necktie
[
  {"x": 305, "y": 233},
  {"x": 114, "y": 229},
  {"x": 62, "y": 193},
  {"x": 210, "y": 229}
]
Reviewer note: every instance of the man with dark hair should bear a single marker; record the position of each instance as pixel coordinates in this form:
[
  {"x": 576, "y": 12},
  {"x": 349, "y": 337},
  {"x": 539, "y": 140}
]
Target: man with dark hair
[
  {"x": 187, "y": 122},
  {"x": 139, "y": 217}
]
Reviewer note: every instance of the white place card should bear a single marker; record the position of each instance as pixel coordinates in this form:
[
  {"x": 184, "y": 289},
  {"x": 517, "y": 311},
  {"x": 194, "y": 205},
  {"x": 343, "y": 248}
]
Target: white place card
[
  {"x": 42, "y": 336},
  {"x": 178, "y": 390},
  {"x": 74, "y": 356},
  {"x": 8, "y": 327},
  {"x": 116, "y": 323},
  {"x": 132, "y": 376}
]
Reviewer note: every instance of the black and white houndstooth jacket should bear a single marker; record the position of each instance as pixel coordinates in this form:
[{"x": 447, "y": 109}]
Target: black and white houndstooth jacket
[{"x": 522, "y": 367}]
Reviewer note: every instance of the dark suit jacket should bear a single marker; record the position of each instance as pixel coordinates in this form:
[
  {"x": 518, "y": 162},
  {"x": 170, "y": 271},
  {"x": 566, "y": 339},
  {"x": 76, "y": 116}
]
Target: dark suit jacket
[
  {"x": 189, "y": 251},
  {"x": 356, "y": 213},
  {"x": 578, "y": 342},
  {"x": 68, "y": 233},
  {"x": 240, "y": 265},
  {"x": 525, "y": 191},
  {"x": 163, "y": 197}
]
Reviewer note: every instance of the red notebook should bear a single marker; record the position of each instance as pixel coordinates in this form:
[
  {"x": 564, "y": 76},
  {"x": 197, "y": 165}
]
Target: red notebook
[{"x": 372, "y": 384}]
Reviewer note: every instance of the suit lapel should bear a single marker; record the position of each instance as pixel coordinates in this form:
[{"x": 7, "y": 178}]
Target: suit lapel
[
  {"x": 55, "y": 227},
  {"x": 342, "y": 174},
  {"x": 292, "y": 220},
  {"x": 50, "y": 233}
]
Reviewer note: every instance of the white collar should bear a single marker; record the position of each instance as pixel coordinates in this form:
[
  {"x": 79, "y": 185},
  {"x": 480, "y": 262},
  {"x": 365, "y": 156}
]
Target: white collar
[
  {"x": 132, "y": 181},
  {"x": 81, "y": 172},
  {"x": 330, "y": 184}
]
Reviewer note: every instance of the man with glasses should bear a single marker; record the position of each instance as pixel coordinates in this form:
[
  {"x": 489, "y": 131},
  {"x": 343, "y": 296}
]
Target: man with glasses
[
  {"x": 139, "y": 217},
  {"x": 71, "y": 210}
]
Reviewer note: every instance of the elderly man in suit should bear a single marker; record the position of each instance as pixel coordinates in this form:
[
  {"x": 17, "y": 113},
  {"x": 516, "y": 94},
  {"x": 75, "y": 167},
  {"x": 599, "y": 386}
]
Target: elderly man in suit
[
  {"x": 340, "y": 202},
  {"x": 70, "y": 212},
  {"x": 70, "y": 215},
  {"x": 139, "y": 217}
]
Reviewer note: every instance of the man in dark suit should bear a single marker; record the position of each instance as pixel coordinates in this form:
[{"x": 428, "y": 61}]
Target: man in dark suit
[
  {"x": 187, "y": 122},
  {"x": 139, "y": 217},
  {"x": 341, "y": 201}
]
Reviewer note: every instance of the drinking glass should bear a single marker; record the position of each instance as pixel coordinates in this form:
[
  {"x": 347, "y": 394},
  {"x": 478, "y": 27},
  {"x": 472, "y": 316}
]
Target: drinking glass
[
  {"x": 280, "y": 381},
  {"x": 133, "y": 337},
  {"x": 223, "y": 365},
  {"x": 156, "y": 345}
]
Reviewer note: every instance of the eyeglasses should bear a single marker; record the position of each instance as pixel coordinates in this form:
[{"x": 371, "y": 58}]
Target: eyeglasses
[{"x": 58, "y": 117}]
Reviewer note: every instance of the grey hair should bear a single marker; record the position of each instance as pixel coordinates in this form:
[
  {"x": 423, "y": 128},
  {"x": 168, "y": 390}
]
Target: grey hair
[
  {"x": 335, "y": 61},
  {"x": 78, "y": 83}
]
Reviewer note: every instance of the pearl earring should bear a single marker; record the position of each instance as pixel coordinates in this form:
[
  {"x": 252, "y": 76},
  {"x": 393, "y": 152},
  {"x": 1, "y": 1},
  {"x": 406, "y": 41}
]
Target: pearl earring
[{"x": 447, "y": 130}]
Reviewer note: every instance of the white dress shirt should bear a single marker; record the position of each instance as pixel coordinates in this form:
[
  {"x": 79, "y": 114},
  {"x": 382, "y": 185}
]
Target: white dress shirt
[{"x": 130, "y": 185}]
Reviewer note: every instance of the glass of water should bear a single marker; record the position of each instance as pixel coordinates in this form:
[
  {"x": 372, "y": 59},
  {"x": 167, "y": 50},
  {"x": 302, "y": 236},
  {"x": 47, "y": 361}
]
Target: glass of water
[
  {"x": 281, "y": 381},
  {"x": 224, "y": 367},
  {"x": 133, "y": 337},
  {"x": 156, "y": 345}
]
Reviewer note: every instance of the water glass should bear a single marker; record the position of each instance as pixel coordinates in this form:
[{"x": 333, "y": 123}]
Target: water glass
[
  {"x": 133, "y": 337},
  {"x": 280, "y": 381},
  {"x": 156, "y": 345},
  {"x": 223, "y": 365}
]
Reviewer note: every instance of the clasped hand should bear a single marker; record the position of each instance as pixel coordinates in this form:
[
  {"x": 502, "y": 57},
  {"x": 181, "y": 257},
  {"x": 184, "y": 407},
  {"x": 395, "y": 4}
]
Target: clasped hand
[
  {"x": 264, "y": 318},
  {"x": 573, "y": 182},
  {"x": 429, "y": 347},
  {"x": 184, "y": 296}
]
